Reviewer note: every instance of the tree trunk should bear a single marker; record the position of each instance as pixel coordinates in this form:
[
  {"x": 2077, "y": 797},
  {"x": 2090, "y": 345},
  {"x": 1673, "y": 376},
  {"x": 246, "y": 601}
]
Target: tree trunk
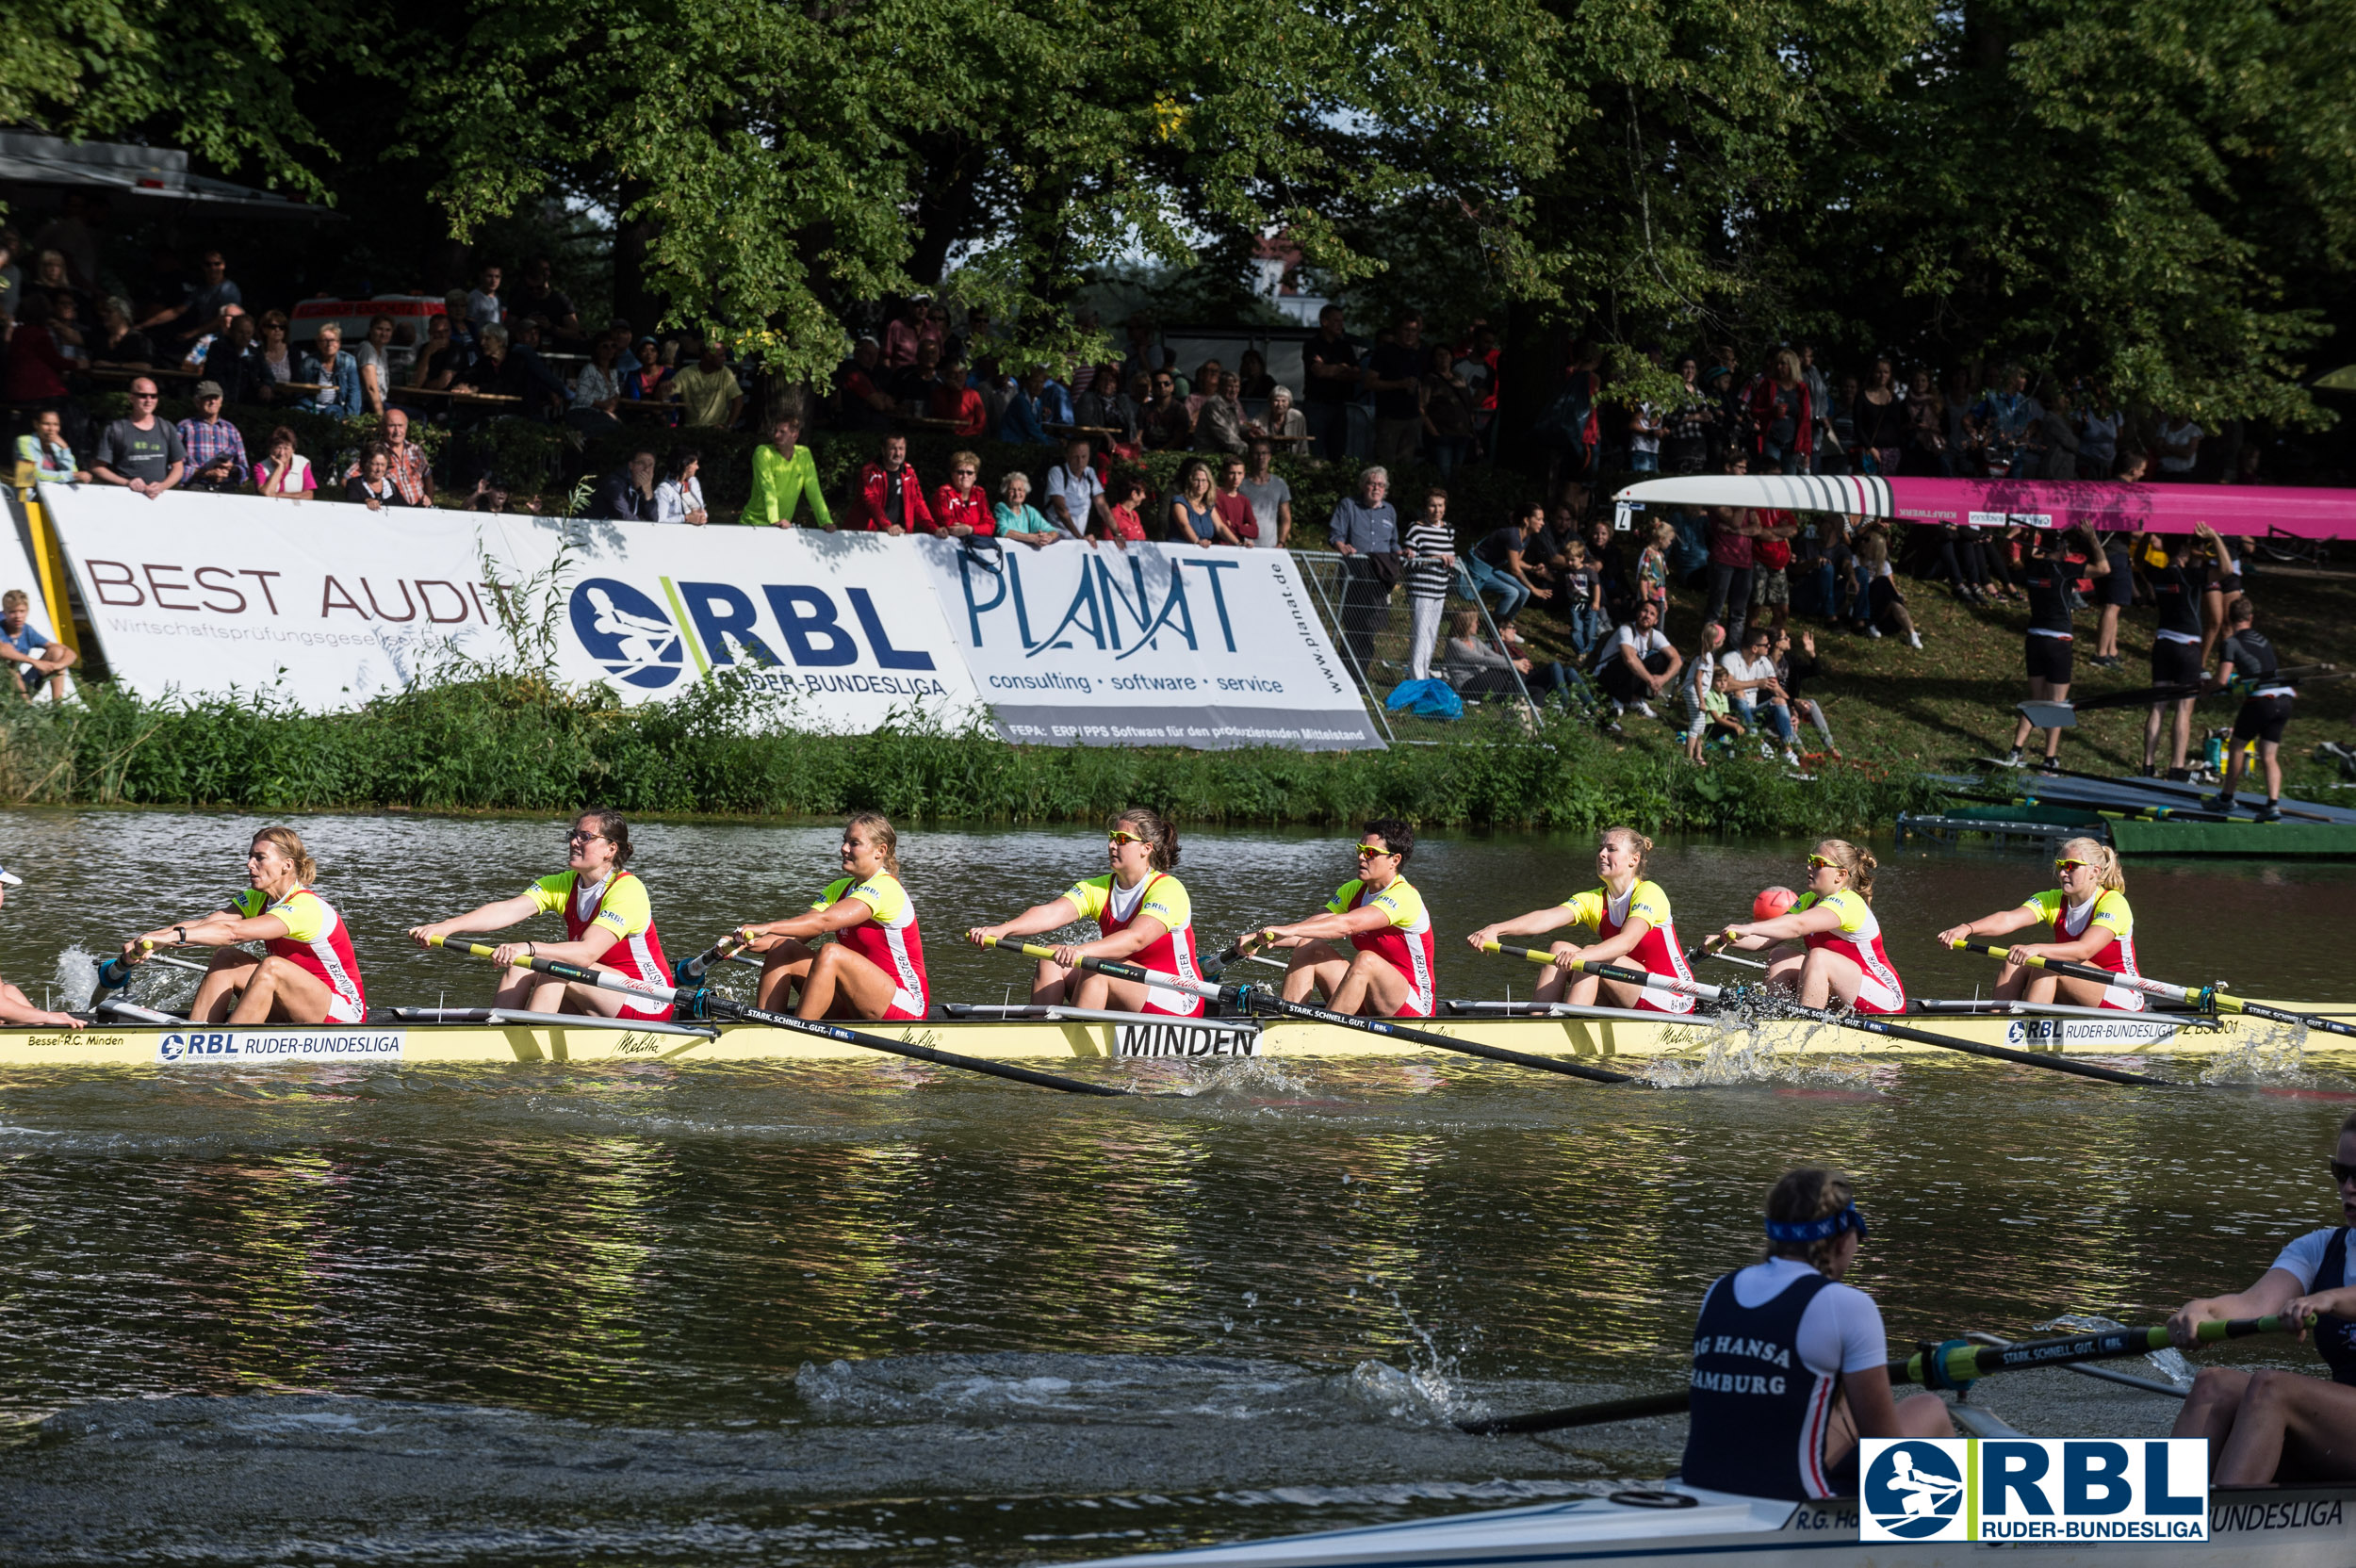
[{"x": 632, "y": 299}]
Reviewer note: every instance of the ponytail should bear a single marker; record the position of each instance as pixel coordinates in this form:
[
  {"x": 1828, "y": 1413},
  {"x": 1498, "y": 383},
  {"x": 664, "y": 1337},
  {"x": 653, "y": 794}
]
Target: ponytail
[
  {"x": 1858, "y": 863},
  {"x": 289, "y": 844},
  {"x": 1634, "y": 840},
  {"x": 879, "y": 828},
  {"x": 2108, "y": 873},
  {"x": 1161, "y": 838}
]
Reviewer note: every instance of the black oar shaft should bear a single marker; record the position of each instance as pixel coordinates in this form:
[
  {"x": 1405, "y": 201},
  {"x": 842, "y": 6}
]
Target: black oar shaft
[{"x": 2196, "y": 995}]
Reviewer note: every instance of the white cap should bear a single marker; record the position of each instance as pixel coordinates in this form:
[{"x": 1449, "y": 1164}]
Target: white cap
[{"x": 10, "y": 879}]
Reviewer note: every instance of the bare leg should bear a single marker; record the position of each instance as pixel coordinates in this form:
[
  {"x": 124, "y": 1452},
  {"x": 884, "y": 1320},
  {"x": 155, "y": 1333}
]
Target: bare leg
[
  {"x": 843, "y": 984},
  {"x": 1314, "y": 966},
  {"x": 2269, "y": 752},
  {"x": 1050, "y": 983},
  {"x": 783, "y": 970},
  {"x": 229, "y": 971},
  {"x": 1827, "y": 977},
  {"x": 282, "y": 989},
  {"x": 2210, "y": 1408},
  {"x": 1783, "y": 966},
  {"x": 2290, "y": 1427},
  {"x": 1371, "y": 986}
]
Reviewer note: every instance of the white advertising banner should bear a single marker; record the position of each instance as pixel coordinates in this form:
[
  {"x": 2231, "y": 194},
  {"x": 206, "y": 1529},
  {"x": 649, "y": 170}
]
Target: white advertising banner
[{"x": 1152, "y": 645}]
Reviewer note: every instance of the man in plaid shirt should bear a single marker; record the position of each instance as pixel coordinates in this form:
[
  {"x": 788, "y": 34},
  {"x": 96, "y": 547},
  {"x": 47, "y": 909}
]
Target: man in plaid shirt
[
  {"x": 411, "y": 472},
  {"x": 217, "y": 457}
]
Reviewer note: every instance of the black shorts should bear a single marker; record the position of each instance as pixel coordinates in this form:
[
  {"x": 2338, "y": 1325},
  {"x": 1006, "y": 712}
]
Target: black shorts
[
  {"x": 2119, "y": 587},
  {"x": 2049, "y": 659},
  {"x": 2175, "y": 664},
  {"x": 2262, "y": 719}
]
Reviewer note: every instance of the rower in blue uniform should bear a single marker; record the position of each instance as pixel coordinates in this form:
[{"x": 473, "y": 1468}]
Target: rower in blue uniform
[
  {"x": 1791, "y": 1368},
  {"x": 2270, "y": 1427}
]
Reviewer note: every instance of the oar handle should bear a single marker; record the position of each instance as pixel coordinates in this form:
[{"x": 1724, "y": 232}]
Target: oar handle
[
  {"x": 114, "y": 974},
  {"x": 1610, "y": 972},
  {"x": 1960, "y": 1361}
]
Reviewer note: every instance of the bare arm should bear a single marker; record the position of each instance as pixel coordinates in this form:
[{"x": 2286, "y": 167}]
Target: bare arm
[
  {"x": 1996, "y": 925},
  {"x": 1030, "y": 922}
]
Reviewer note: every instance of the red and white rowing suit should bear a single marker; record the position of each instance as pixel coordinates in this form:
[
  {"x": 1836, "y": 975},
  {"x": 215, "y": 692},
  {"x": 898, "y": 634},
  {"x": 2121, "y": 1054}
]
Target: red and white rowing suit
[
  {"x": 1405, "y": 943},
  {"x": 1859, "y": 939},
  {"x": 317, "y": 942},
  {"x": 1656, "y": 951},
  {"x": 618, "y": 904},
  {"x": 1163, "y": 897},
  {"x": 2068, "y": 922},
  {"x": 887, "y": 938}
]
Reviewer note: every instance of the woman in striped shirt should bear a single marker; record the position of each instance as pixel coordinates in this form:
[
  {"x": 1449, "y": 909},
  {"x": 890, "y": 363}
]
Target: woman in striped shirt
[{"x": 1430, "y": 564}]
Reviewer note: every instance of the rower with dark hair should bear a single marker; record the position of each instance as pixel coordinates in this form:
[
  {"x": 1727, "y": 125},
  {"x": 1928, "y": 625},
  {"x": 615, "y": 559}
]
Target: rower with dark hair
[
  {"x": 2176, "y": 588},
  {"x": 608, "y": 925},
  {"x": 875, "y": 967},
  {"x": 2265, "y": 713},
  {"x": 2270, "y": 1427},
  {"x": 1380, "y": 916},
  {"x": 1790, "y": 1366},
  {"x": 1143, "y": 917}
]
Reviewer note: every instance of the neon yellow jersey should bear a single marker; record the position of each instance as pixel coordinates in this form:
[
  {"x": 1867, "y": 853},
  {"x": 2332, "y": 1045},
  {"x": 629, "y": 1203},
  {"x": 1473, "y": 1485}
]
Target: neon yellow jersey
[
  {"x": 1161, "y": 895},
  {"x": 622, "y": 906},
  {"x": 887, "y": 900},
  {"x": 1857, "y": 916},
  {"x": 307, "y": 918},
  {"x": 2109, "y": 909},
  {"x": 1400, "y": 901},
  {"x": 1645, "y": 901}
]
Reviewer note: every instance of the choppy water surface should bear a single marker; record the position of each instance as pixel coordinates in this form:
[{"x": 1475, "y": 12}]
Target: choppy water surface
[{"x": 870, "y": 1313}]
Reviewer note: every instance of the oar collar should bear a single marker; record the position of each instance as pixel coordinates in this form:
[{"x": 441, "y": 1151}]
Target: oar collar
[{"x": 1818, "y": 1229}]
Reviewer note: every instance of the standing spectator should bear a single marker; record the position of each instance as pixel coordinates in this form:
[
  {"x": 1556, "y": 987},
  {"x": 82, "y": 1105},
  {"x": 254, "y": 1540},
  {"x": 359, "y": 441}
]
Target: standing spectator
[
  {"x": 215, "y": 452},
  {"x": 1772, "y": 532},
  {"x": 1646, "y": 427},
  {"x": 2099, "y": 429},
  {"x": 233, "y": 363},
  {"x": 1332, "y": 363},
  {"x": 1146, "y": 356},
  {"x": 284, "y": 474},
  {"x": 1075, "y": 497},
  {"x": 333, "y": 374},
  {"x": 1192, "y": 516},
  {"x": 440, "y": 357},
  {"x": 1501, "y": 566},
  {"x": 1019, "y": 425},
  {"x": 39, "y": 656},
  {"x": 64, "y": 325},
  {"x": 12, "y": 276},
  {"x": 1364, "y": 530},
  {"x": 1447, "y": 404},
  {"x": 710, "y": 390},
  {"x": 184, "y": 320},
  {"x": 2005, "y": 416},
  {"x": 597, "y": 390},
  {"x": 1783, "y": 419},
  {"x": 117, "y": 341},
  {"x": 482, "y": 305},
  {"x": 2180, "y": 447},
  {"x": 1685, "y": 438},
  {"x": 372, "y": 486},
  {"x": 538, "y": 297},
  {"x": 1749, "y": 680},
  {"x": 1394, "y": 376},
  {"x": 783, "y": 474},
  {"x": 1706, "y": 713},
  {"x": 1105, "y": 407},
  {"x": 32, "y": 375},
  {"x": 950, "y": 398},
  {"x": 142, "y": 453},
  {"x": 627, "y": 494},
  {"x": 1570, "y": 428},
  {"x": 902, "y": 334},
  {"x": 1819, "y": 394},
  {"x": 1018, "y": 519},
  {"x": 1579, "y": 597},
  {"x": 681, "y": 497},
  {"x": 281, "y": 362},
  {"x": 406, "y": 462},
  {"x": 1638, "y": 664},
  {"x": 1054, "y": 399},
  {"x": 1731, "y": 561},
  {"x": 888, "y": 497},
  {"x": 43, "y": 447},
  {"x": 960, "y": 508},
  {"x": 1219, "y": 427},
  {"x": 1252, "y": 381},
  {"x": 860, "y": 388},
  {"x": 1168, "y": 425},
  {"x": 374, "y": 357},
  {"x": 1880, "y": 416},
  {"x": 1929, "y": 454},
  {"x": 1837, "y": 439},
  {"x": 1233, "y": 506},
  {"x": 1614, "y": 573},
  {"x": 510, "y": 369},
  {"x": 2056, "y": 437},
  {"x": 1128, "y": 512},
  {"x": 1271, "y": 499},
  {"x": 1429, "y": 563}
]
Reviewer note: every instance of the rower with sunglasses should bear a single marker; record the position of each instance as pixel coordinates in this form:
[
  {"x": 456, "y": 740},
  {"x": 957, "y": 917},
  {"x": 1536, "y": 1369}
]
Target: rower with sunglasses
[
  {"x": 609, "y": 924},
  {"x": 1828, "y": 947},
  {"x": 1142, "y": 915},
  {"x": 2272, "y": 1426},
  {"x": 2086, "y": 920},
  {"x": 1386, "y": 968}
]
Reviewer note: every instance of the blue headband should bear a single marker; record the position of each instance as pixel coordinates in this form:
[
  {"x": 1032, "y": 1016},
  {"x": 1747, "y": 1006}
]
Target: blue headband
[{"x": 1818, "y": 1229}]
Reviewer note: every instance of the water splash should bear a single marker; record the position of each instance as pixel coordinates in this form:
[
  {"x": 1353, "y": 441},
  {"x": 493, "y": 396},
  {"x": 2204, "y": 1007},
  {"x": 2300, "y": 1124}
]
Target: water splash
[
  {"x": 2169, "y": 1363},
  {"x": 78, "y": 978},
  {"x": 2263, "y": 1051},
  {"x": 1741, "y": 1049},
  {"x": 157, "y": 985}
]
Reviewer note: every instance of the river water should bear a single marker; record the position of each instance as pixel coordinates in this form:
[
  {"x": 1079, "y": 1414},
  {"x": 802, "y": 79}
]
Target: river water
[{"x": 863, "y": 1313}]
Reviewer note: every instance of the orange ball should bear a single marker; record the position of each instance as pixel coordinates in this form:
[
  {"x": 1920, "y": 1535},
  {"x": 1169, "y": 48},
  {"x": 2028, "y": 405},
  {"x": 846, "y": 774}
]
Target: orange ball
[{"x": 1772, "y": 901}]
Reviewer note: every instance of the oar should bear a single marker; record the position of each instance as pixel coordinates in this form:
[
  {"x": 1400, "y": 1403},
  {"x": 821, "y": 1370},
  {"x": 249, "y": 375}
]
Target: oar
[
  {"x": 1866, "y": 1023},
  {"x": 2203, "y": 996},
  {"x": 1247, "y": 997},
  {"x": 2102, "y": 1374},
  {"x": 1696, "y": 955},
  {"x": 692, "y": 971},
  {"x": 114, "y": 974},
  {"x": 2062, "y": 716},
  {"x": 1949, "y": 1366},
  {"x": 727, "y": 1008}
]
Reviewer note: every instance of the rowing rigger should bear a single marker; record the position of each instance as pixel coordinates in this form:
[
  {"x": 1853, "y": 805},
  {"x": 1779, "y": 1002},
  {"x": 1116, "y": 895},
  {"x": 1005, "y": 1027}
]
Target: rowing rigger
[{"x": 2198, "y": 996}]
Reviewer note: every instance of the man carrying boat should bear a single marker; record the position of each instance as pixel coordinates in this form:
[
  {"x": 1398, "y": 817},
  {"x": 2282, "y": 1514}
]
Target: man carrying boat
[
  {"x": 875, "y": 967},
  {"x": 308, "y": 973},
  {"x": 2265, "y": 713},
  {"x": 2086, "y": 920},
  {"x": 609, "y": 924},
  {"x": 1630, "y": 916},
  {"x": 1827, "y": 948},
  {"x": 1371, "y": 952},
  {"x": 1142, "y": 915},
  {"x": 2270, "y": 1427},
  {"x": 1790, "y": 1366},
  {"x": 2177, "y": 588}
]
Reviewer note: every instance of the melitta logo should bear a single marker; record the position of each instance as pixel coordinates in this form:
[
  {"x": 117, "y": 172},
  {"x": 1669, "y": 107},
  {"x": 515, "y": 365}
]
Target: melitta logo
[
  {"x": 2068, "y": 1489},
  {"x": 628, "y": 633}
]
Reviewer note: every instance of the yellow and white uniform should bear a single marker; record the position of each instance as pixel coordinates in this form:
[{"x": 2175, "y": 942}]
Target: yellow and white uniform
[
  {"x": 1658, "y": 953},
  {"x": 2067, "y": 922},
  {"x": 887, "y": 939}
]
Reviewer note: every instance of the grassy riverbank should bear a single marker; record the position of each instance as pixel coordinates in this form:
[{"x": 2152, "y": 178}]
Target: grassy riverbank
[{"x": 515, "y": 745}]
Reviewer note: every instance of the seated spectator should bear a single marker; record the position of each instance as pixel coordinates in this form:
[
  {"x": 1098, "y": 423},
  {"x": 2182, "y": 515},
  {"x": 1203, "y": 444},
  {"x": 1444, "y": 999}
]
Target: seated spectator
[
  {"x": 1018, "y": 519},
  {"x": 1168, "y": 425},
  {"x": 51, "y": 277},
  {"x": 117, "y": 341},
  {"x": 508, "y": 370},
  {"x": 1219, "y": 422},
  {"x": 1794, "y": 666},
  {"x": 286, "y": 474},
  {"x": 230, "y": 360},
  {"x": 1271, "y": 499},
  {"x": 333, "y": 374},
  {"x": 1075, "y": 497},
  {"x": 1204, "y": 386},
  {"x": 1191, "y": 517},
  {"x": 1233, "y": 506},
  {"x": 38, "y": 657},
  {"x": 911, "y": 385},
  {"x": 1750, "y": 683},
  {"x": 1285, "y": 423},
  {"x": 681, "y": 497},
  {"x": 33, "y": 372},
  {"x": 278, "y": 360},
  {"x": 374, "y": 356},
  {"x": 1475, "y": 668},
  {"x": 1020, "y": 424},
  {"x": 1253, "y": 384},
  {"x": 1127, "y": 525},
  {"x": 1498, "y": 565},
  {"x": 1055, "y": 402},
  {"x": 491, "y": 496},
  {"x": 535, "y": 297},
  {"x": 66, "y": 327},
  {"x": 783, "y": 474},
  {"x": 143, "y": 453},
  {"x": 597, "y": 390},
  {"x": 627, "y": 494},
  {"x": 372, "y": 486},
  {"x": 888, "y": 498},
  {"x": 961, "y": 510},
  {"x": 645, "y": 383},
  {"x": 951, "y": 398},
  {"x": 1638, "y": 664},
  {"x": 859, "y": 387},
  {"x": 217, "y": 460},
  {"x": 1105, "y": 407},
  {"x": 440, "y": 358},
  {"x": 45, "y": 448}
]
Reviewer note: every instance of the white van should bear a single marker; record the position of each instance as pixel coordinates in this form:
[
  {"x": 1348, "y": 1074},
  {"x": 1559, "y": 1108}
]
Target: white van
[{"x": 410, "y": 313}]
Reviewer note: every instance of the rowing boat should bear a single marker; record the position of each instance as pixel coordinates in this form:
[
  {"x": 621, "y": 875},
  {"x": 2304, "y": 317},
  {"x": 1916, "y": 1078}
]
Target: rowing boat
[{"x": 481, "y": 1034}]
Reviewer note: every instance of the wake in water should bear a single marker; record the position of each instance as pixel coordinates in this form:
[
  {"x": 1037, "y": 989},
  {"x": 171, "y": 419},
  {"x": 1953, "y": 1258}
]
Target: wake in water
[
  {"x": 2264, "y": 1052},
  {"x": 1739, "y": 1051},
  {"x": 2170, "y": 1364}
]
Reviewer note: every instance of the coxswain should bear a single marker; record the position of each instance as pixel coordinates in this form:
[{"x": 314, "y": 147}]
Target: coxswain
[
  {"x": 1630, "y": 916},
  {"x": 1827, "y": 948},
  {"x": 308, "y": 973},
  {"x": 2048, "y": 577},
  {"x": 608, "y": 925},
  {"x": 2086, "y": 921},
  {"x": 875, "y": 967},
  {"x": 2248, "y": 656},
  {"x": 1790, "y": 1366},
  {"x": 1142, "y": 915},
  {"x": 15, "y": 1006},
  {"x": 2278, "y": 1426},
  {"x": 1371, "y": 950}
]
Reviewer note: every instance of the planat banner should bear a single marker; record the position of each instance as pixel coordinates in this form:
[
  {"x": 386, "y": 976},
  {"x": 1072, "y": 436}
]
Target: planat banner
[{"x": 1074, "y": 645}]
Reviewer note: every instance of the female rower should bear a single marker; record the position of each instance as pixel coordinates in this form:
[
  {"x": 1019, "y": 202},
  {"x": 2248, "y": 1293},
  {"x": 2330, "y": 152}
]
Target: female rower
[
  {"x": 1142, "y": 916},
  {"x": 608, "y": 925},
  {"x": 875, "y": 967},
  {"x": 2086, "y": 921},
  {"x": 1828, "y": 946},
  {"x": 308, "y": 973},
  {"x": 1380, "y": 914},
  {"x": 1630, "y": 916},
  {"x": 1791, "y": 1367},
  {"x": 2276, "y": 1426}
]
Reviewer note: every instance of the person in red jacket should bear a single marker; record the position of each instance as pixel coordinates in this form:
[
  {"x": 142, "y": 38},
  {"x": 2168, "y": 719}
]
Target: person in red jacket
[
  {"x": 890, "y": 498},
  {"x": 961, "y": 508},
  {"x": 951, "y": 398}
]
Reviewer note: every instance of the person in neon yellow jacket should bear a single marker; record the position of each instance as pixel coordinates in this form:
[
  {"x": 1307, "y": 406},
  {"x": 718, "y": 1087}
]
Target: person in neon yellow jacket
[{"x": 783, "y": 474}]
